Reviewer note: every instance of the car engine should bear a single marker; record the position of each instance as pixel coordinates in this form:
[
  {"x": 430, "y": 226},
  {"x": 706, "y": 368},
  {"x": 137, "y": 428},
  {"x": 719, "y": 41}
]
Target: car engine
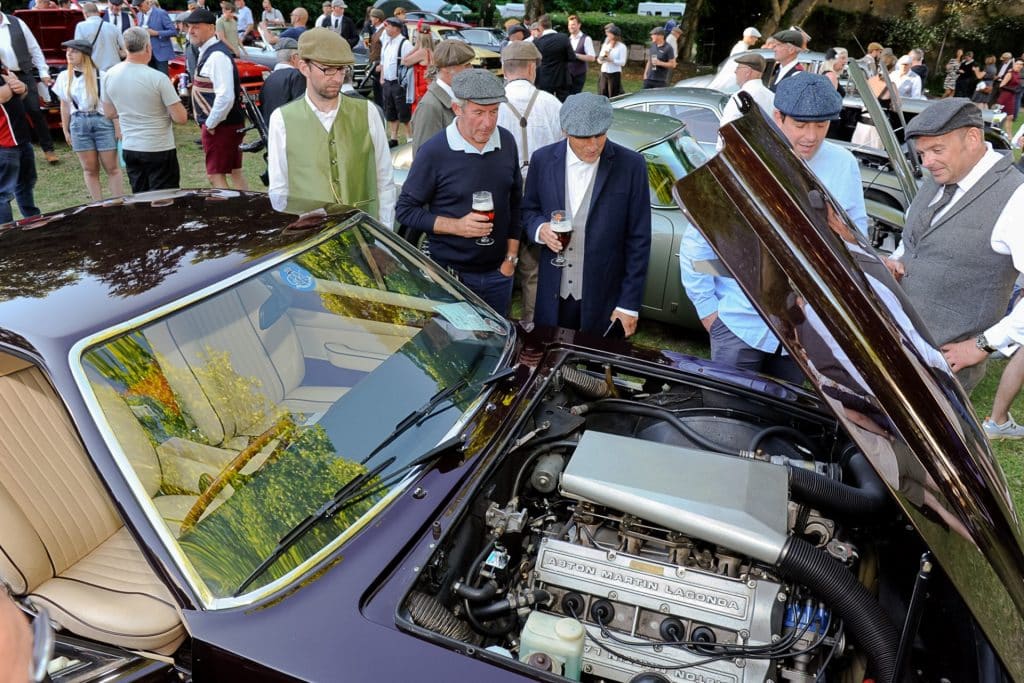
[{"x": 648, "y": 537}]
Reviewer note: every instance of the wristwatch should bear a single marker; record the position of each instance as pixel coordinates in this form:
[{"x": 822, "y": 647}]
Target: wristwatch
[
  {"x": 512, "y": 258},
  {"x": 982, "y": 343}
]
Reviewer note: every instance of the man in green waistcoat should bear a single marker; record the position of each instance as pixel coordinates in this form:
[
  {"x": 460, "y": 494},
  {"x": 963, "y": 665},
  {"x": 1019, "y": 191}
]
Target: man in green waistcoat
[{"x": 319, "y": 145}]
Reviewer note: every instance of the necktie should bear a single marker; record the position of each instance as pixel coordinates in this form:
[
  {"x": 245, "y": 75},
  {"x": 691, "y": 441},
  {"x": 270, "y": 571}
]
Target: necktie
[
  {"x": 335, "y": 23},
  {"x": 928, "y": 215}
]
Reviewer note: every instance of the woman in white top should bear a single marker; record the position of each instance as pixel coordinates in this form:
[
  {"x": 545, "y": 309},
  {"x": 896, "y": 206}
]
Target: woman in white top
[
  {"x": 91, "y": 135},
  {"x": 612, "y": 58}
]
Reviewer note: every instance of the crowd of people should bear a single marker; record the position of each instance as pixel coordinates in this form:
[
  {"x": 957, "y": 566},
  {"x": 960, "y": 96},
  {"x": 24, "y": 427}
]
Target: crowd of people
[{"x": 503, "y": 170}]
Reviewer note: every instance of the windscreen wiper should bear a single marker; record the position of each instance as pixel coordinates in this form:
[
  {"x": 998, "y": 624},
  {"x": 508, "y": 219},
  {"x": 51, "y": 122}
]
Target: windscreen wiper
[
  {"x": 357, "y": 489},
  {"x": 425, "y": 412}
]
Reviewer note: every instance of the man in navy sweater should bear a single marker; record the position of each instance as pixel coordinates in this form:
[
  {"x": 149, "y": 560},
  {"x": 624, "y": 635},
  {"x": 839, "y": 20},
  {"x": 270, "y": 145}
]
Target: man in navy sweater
[{"x": 471, "y": 155}]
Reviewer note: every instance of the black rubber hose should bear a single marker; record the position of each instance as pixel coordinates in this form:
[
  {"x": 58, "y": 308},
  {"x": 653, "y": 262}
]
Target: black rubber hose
[
  {"x": 619, "y": 405},
  {"x": 500, "y": 607},
  {"x": 868, "y": 497},
  {"x": 457, "y": 558},
  {"x": 485, "y": 592},
  {"x": 865, "y": 619},
  {"x": 780, "y": 429}
]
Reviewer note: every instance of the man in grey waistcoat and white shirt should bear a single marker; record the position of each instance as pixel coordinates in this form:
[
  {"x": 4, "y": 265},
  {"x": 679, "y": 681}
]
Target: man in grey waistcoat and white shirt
[{"x": 962, "y": 244}]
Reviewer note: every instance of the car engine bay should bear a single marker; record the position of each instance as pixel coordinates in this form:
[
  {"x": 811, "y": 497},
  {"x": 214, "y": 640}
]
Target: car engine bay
[{"x": 641, "y": 530}]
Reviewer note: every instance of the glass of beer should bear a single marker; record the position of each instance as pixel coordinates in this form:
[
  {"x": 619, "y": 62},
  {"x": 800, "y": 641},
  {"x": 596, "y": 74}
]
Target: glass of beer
[
  {"x": 562, "y": 227},
  {"x": 483, "y": 204}
]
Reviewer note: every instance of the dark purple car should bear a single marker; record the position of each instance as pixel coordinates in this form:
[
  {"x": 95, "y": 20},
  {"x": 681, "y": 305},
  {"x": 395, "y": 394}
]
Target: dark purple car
[{"x": 239, "y": 445}]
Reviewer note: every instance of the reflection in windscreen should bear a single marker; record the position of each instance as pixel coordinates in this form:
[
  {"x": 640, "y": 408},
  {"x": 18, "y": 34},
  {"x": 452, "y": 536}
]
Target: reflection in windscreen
[
  {"x": 669, "y": 161},
  {"x": 243, "y": 413}
]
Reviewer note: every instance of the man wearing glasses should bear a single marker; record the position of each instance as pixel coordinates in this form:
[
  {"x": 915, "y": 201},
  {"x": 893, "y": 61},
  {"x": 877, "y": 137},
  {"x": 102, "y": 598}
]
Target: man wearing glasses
[{"x": 318, "y": 145}]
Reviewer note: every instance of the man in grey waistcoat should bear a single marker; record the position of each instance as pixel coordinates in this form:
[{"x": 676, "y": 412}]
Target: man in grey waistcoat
[
  {"x": 601, "y": 188},
  {"x": 960, "y": 242}
]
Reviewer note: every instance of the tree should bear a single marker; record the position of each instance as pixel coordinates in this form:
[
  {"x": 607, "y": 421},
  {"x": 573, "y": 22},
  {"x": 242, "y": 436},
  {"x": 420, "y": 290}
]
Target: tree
[
  {"x": 779, "y": 8},
  {"x": 688, "y": 24},
  {"x": 534, "y": 8}
]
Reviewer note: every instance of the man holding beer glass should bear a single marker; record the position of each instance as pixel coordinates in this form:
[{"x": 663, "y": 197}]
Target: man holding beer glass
[
  {"x": 464, "y": 190},
  {"x": 587, "y": 201}
]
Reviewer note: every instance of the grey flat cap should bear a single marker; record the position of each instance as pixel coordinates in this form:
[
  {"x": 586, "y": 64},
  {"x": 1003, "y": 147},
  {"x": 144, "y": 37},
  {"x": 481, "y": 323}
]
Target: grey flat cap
[
  {"x": 790, "y": 36},
  {"x": 945, "y": 116},
  {"x": 286, "y": 44},
  {"x": 753, "y": 60},
  {"x": 658, "y": 31},
  {"x": 338, "y": 3},
  {"x": 585, "y": 115},
  {"x": 808, "y": 97},
  {"x": 479, "y": 86}
]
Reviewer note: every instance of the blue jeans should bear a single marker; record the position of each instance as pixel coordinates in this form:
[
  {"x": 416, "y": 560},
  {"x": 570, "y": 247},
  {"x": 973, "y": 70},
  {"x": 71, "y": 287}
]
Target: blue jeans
[
  {"x": 492, "y": 287},
  {"x": 92, "y": 132},
  {"x": 17, "y": 180}
]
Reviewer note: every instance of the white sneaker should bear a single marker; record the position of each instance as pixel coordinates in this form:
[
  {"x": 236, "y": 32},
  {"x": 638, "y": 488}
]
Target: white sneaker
[{"x": 1008, "y": 430}]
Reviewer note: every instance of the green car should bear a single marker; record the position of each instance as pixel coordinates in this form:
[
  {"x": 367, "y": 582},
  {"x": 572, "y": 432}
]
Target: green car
[{"x": 671, "y": 153}]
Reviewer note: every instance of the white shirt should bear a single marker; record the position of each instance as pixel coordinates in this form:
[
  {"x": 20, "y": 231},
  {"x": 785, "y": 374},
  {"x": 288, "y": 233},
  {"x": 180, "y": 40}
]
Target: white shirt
[
  {"x": 7, "y": 56},
  {"x": 739, "y": 48},
  {"x": 457, "y": 143},
  {"x": 764, "y": 97},
  {"x": 614, "y": 57},
  {"x": 783, "y": 70},
  {"x": 218, "y": 69},
  {"x": 108, "y": 45},
  {"x": 114, "y": 18},
  {"x": 908, "y": 84},
  {"x": 1006, "y": 238},
  {"x": 674, "y": 42},
  {"x": 542, "y": 125},
  {"x": 588, "y": 44},
  {"x": 76, "y": 93},
  {"x": 277, "y": 159},
  {"x": 389, "y": 55}
]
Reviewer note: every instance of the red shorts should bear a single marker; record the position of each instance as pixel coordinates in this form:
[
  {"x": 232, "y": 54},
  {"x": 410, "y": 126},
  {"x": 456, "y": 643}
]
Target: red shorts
[{"x": 221, "y": 149}]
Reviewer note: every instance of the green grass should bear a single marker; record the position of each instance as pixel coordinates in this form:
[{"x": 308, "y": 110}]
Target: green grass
[{"x": 61, "y": 186}]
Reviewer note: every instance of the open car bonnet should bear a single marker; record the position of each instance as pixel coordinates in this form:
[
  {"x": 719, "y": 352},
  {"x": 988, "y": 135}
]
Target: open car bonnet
[{"x": 832, "y": 303}]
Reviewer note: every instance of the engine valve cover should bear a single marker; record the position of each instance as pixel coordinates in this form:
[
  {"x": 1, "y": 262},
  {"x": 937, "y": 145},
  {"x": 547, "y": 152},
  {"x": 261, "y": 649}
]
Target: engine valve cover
[{"x": 643, "y": 593}]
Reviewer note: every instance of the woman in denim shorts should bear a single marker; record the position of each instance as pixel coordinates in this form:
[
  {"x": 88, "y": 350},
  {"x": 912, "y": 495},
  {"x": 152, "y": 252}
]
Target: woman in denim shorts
[{"x": 91, "y": 134}]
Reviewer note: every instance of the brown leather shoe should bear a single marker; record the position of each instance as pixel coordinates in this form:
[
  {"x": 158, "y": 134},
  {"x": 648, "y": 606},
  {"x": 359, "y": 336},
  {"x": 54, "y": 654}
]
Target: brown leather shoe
[{"x": 51, "y": 157}]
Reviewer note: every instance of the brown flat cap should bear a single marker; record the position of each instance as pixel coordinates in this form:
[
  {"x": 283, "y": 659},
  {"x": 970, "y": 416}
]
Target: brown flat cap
[
  {"x": 453, "y": 53},
  {"x": 326, "y": 47},
  {"x": 520, "y": 50},
  {"x": 753, "y": 60}
]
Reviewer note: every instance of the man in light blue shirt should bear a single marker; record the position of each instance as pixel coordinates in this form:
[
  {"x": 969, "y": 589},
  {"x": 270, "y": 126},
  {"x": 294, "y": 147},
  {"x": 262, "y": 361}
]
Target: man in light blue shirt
[{"x": 804, "y": 105}]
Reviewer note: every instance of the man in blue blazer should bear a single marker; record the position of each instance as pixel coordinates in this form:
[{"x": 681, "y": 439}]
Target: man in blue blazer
[
  {"x": 602, "y": 188},
  {"x": 160, "y": 28}
]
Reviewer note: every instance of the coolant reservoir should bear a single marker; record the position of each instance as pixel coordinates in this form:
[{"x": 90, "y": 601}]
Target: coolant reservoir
[{"x": 560, "y": 638}]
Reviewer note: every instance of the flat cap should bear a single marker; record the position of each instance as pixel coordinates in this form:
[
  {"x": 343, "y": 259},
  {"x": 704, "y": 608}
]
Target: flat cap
[
  {"x": 325, "y": 46},
  {"x": 751, "y": 31},
  {"x": 874, "y": 46},
  {"x": 479, "y": 86},
  {"x": 790, "y": 36},
  {"x": 453, "y": 53},
  {"x": 753, "y": 60},
  {"x": 118, "y": 3},
  {"x": 286, "y": 44},
  {"x": 614, "y": 30},
  {"x": 394, "y": 21},
  {"x": 518, "y": 28},
  {"x": 944, "y": 116},
  {"x": 200, "y": 16},
  {"x": 658, "y": 31},
  {"x": 338, "y": 3},
  {"x": 377, "y": 13},
  {"x": 83, "y": 46},
  {"x": 585, "y": 115},
  {"x": 520, "y": 50},
  {"x": 905, "y": 59},
  {"x": 808, "y": 97}
]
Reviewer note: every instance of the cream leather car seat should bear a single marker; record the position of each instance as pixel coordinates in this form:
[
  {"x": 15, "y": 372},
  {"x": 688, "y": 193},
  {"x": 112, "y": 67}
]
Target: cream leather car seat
[{"x": 62, "y": 542}]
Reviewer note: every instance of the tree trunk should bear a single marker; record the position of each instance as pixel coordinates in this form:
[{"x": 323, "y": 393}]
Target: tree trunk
[
  {"x": 802, "y": 12},
  {"x": 688, "y": 39},
  {"x": 778, "y": 9},
  {"x": 534, "y": 8}
]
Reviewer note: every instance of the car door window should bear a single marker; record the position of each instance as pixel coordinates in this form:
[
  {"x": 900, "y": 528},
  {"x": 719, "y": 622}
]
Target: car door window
[
  {"x": 701, "y": 122},
  {"x": 667, "y": 162}
]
